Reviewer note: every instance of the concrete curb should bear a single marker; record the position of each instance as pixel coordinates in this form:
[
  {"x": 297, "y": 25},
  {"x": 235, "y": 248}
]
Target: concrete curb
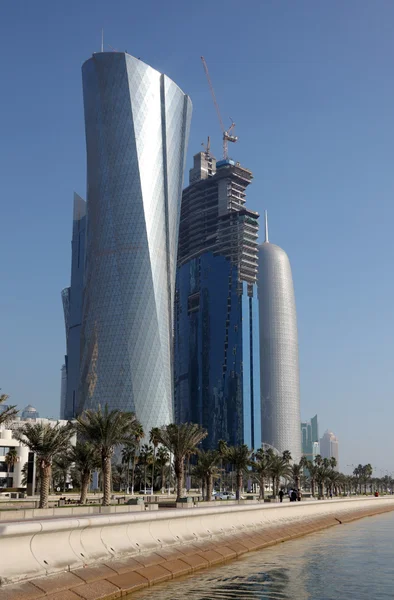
[{"x": 165, "y": 554}]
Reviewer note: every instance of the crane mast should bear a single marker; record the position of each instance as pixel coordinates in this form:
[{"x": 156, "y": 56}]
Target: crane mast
[{"x": 228, "y": 136}]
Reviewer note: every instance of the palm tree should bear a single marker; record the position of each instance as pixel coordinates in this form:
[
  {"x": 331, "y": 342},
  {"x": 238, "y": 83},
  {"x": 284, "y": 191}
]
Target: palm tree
[
  {"x": 137, "y": 437},
  {"x": 11, "y": 458},
  {"x": 198, "y": 473},
  {"x": 279, "y": 468},
  {"x": 8, "y": 413},
  {"x": 162, "y": 459},
  {"x": 153, "y": 439},
  {"x": 318, "y": 460},
  {"x": 296, "y": 472},
  {"x": 221, "y": 449},
  {"x": 128, "y": 455},
  {"x": 240, "y": 458},
  {"x": 146, "y": 459},
  {"x": 313, "y": 471},
  {"x": 208, "y": 466},
  {"x": 46, "y": 442},
  {"x": 86, "y": 459},
  {"x": 261, "y": 469},
  {"x": 286, "y": 455},
  {"x": 62, "y": 463},
  {"x": 367, "y": 473},
  {"x": 105, "y": 430},
  {"x": 181, "y": 440}
]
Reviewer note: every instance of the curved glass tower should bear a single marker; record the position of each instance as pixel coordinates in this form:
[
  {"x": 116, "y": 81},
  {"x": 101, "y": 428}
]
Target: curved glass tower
[
  {"x": 279, "y": 370},
  {"x": 137, "y": 125}
]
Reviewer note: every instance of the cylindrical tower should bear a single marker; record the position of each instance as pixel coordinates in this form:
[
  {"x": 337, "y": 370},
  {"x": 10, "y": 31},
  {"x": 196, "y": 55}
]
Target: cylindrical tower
[
  {"x": 137, "y": 124},
  {"x": 279, "y": 370}
]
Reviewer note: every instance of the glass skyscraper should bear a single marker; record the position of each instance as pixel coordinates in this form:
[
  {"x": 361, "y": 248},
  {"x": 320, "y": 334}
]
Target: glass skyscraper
[
  {"x": 72, "y": 298},
  {"x": 137, "y": 125},
  {"x": 310, "y": 438},
  {"x": 217, "y": 361},
  {"x": 280, "y": 384}
]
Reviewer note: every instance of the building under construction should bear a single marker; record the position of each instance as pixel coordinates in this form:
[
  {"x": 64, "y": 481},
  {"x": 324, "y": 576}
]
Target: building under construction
[{"x": 217, "y": 380}]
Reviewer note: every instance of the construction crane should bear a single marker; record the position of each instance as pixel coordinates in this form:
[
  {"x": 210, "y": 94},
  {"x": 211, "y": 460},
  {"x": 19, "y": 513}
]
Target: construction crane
[{"x": 228, "y": 136}]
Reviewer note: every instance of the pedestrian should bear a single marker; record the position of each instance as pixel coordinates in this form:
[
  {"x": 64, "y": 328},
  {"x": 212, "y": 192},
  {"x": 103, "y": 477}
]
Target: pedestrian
[
  {"x": 281, "y": 494},
  {"x": 299, "y": 495},
  {"x": 290, "y": 492},
  {"x": 293, "y": 496}
]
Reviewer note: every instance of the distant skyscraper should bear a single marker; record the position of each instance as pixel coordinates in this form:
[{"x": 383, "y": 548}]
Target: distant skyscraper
[
  {"x": 137, "y": 126},
  {"x": 329, "y": 446},
  {"x": 63, "y": 390},
  {"x": 279, "y": 371},
  {"x": 310, "y": 438},
  {"x": 216, "y": 313},
  {"x": 72, "y": 306},
  {"x": 30, "y": 413}
]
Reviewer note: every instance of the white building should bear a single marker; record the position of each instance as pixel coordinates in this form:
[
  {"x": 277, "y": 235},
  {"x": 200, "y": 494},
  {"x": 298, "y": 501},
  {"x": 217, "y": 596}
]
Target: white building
[
  {"x": 329, "y": 446},
  {"x": 7, "y": 441}
]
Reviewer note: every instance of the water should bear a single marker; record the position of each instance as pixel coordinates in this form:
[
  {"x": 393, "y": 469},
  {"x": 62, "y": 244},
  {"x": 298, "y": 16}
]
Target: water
[{"x": 354, "y": 561}]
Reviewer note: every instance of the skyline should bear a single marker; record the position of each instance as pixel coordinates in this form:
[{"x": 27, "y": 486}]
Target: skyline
[{"x": 315, "y": 127}]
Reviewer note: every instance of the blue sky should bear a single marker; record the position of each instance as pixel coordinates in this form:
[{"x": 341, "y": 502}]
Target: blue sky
[{"x": 310, "y": 85}]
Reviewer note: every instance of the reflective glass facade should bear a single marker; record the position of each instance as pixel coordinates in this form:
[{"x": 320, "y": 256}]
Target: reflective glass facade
[
  {"x": 279, "y": 370},
  {"x": 137, "y": 124},
  {"x": 72, "y": 298},
  {"x": 217, "y": 380}
]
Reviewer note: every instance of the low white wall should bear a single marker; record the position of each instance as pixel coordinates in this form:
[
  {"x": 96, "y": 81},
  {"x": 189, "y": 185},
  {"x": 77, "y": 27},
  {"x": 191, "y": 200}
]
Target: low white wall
[
  {"x": 33, "y": 548},
  {"x": 67, "y": 511}
]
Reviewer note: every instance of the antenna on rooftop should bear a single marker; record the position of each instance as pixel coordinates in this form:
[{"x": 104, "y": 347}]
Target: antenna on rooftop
[
  {"x": 266, "y": 226},
  {"x": 102, "y": 40}
]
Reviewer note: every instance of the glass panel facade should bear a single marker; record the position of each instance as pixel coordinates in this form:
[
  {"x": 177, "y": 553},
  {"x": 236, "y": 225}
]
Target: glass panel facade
[
  {"x": 215, "y": 370},
  {"x": 137, "y": 122},
  {"x": 280, "y": 385}
]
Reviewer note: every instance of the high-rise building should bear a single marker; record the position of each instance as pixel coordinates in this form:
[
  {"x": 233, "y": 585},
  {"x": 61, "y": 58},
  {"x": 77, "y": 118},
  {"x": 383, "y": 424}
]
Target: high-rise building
[
  {"x": 30, "y": 413},
  {"x": 63, "y": 389},
  {"x": 72, "y": 298},
  {"x": 216, "y": 313},
  {"x": 279, "y": 370},
  {"x": 137, "y": 125},
  {"x": 310, "y": 438},
  {"x": 329, "y": 446}
]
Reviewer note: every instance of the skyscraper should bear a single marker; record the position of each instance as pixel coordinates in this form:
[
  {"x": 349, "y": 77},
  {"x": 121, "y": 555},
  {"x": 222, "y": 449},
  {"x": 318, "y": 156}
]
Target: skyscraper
[
  {"x": 279, "y": 371},
  {"x": 216, "y": 314},
  {"x": 137, "y": 124},
  {"x": 310, "y": 438},
  {"x": 72, "y": 306},
  {"x": 329, "y": 446}
]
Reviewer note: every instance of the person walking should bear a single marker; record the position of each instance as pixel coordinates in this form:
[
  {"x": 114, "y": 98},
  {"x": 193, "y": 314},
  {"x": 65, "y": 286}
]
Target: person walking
[
  {"x": 293, "y": 496},
  {"x": 281, "y": 494}
]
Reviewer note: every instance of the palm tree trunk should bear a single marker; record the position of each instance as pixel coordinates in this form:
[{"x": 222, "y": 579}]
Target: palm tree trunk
[
  {"x": 313, "y": 487},
  {"x": 297, "y": 483},
  {"x": 209, "y": 487},
  {"x": 163, "y": 477},
  {"x": 84, "y": 487},
  {"x": 133, "y": 476},
  {"x": 180, "y": 476},
  {"x": 262, "y": 486},
  {"x": 273, "y": 487},
  {"x": 46, "y": 471},
  {"x": 106, "y": 469},
  {"x": 153, "y": 467},
  {"x": 239, "y": 485}
]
